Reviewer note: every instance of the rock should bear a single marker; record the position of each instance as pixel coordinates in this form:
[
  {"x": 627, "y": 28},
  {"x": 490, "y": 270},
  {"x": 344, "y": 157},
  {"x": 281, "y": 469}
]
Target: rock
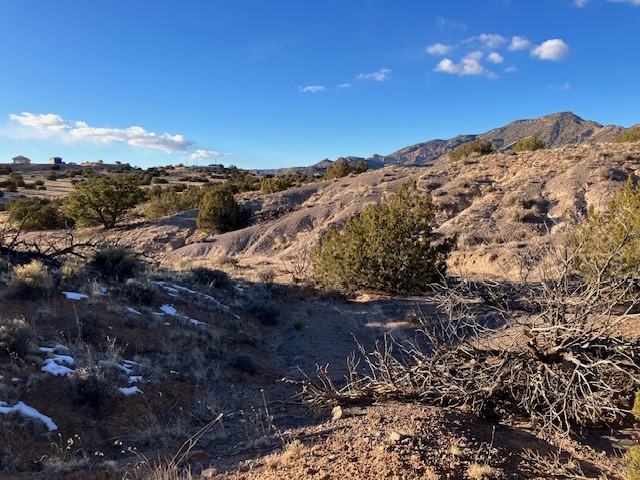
[
  {"x": 337, "y": 413},
  {"x": 396, "y": 437},
  {"x": 209, "y": 473}
]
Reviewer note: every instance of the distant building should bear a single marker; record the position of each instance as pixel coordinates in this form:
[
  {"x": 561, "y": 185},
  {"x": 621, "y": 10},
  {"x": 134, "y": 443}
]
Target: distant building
[
  {"x": 55, "y": 161},
  {"x": 20, "y": 160}
]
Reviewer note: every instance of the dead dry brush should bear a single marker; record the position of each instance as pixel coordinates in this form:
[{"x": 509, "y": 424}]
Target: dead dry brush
[{"x": 559, "y": 360}]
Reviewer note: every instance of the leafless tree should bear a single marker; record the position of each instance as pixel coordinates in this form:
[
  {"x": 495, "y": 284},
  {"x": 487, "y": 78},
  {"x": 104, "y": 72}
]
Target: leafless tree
[{"x": 550, "y": 350}]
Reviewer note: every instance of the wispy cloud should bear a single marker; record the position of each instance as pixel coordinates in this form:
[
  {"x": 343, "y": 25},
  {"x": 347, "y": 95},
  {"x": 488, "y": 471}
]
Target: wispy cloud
[
  {"x": 342, "y": 86},
  {"x": 582, "y": 3},
  {"x": 453, "y": 24},
  {"x": 552, "y": 50},
  {"x": 562, "y": 87},
  {"x": 206, "y": 154},
  {"x": 53, "y": 126},
  {"x": 511, "y": 69},
  {"x": 491, "y": 40},
  {"x": 312, "y": 89},
  {"x": 439, "y": 49},
  {"x": 519, "y": 43},
  {"x": 379, "y": 75},
  {"x": 469, "y": 66}
]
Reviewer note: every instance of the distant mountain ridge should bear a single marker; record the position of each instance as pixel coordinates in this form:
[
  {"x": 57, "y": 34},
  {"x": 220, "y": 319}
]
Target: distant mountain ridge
[{"x": 554, "y": 130}]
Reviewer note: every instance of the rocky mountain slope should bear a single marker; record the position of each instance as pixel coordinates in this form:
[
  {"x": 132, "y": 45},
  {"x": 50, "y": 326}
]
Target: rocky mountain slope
[{"x": 555, "y": 130}]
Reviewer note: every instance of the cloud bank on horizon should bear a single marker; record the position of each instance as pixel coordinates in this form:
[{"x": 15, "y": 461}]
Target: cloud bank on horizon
[{"x": 52, "y": 126}]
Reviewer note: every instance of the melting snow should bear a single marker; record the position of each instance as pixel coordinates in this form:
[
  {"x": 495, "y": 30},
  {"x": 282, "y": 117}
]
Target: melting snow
[
  {"x": 173, "y": 289},
  {"x": 130, "y": 390},
  {"x": 28, "y": 411},
  {"x": 196, "y": 322},
  {"x": 169, "y": 310},
  {"x": 135, "y": 378},
  {"x": 56, "y": 365},
  {"x": 74, "y": 295},
  {"x": 134, "y": 311}
]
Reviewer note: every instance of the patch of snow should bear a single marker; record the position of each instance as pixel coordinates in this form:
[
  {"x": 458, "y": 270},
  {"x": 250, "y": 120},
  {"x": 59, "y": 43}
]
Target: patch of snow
[
  {"x": 50, "y": 366},
  {"x": 196, "y": 322},
  {"x": 238, "y": 289},
  {"x": 15, "y": 379},
  {"x": 135, "y": 378},
  {"x": 169, "y": 310},
  {"x": 130, "y": 390},
  {"x": 47, "y": 349},
  {"x": 28, "y": 411},
  {"x": 74, "y": 295},
  {"x": 103, "y": 290},
  {"x": 167, "y": 324},
  {"x": 133, "y": 310}
]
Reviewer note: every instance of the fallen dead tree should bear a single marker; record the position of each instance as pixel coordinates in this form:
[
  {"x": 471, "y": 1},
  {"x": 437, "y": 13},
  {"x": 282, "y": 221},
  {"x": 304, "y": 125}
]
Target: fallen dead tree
[{"x": 561, "y": 361}]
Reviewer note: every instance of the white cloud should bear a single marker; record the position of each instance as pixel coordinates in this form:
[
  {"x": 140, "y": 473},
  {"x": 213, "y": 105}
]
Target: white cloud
[
  {"x": 580, "y": 3},
  {"x": 206, "y": 154},
  {"x": 495, "y": 57},
  {"x": 54, "y": 126},
  {"x": 469, "y": 66},
  {"x": 562, "y": 87},
  {"x": 342, "y": 86},
  {"x": 630, "y": 2},
  {"x": 553, "y": 50},
  {"x": 312, "y": 89},
  {"x": 379, "y": 76},
  {"x": 511, "y": 69},
  {"x": 490, "y": 40},
  {"x": 519, "y": 43},
  {"x": 439, "y": 49}
]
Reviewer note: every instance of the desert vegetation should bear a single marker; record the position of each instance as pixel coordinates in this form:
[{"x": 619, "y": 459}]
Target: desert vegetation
[
  {"x": 475, "y": 148},
  {"x": 530, "y": 144},
  {"x": 632, "y": 135},
  {"x": 388, "y": 247},
  {"x": 153, "y": 348}
]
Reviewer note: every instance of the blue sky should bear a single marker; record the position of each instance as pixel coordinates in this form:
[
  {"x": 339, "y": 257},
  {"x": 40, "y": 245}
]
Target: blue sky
[{"x": 272, "y": 83}]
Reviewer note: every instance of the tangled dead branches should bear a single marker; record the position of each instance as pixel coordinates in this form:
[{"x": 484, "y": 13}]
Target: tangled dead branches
[{"x": 560, "y": 361}]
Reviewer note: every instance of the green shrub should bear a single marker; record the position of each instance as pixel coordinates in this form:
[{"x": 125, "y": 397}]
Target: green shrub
[
  {"x": 169, "y": 202},
  {"x": 475, "y": 148},
  {"x": 36, "y": 214},
  {"x": 116, "y": 262},
  {"x": 30, "y": 281},
  {"x": 388, "y": 247},
  {"x": 338, "y": 169},
  {"x": 636, "y": 406},
  {"x": 273, "y": 185},
  {"x": 103, "y": 201},
  {"x": 219, "y": 212},
  {"x": 608, "y": 243},
  {"x": 211, "y": 278},
  {"x": 5, "y": 170},
  {"x": 632, "y": 458},
  {"x": 631, "y": 135},
  {"x": 530, "y": 144}
]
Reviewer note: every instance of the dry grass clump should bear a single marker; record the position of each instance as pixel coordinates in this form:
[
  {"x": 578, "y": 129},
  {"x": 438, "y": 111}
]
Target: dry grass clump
[
  {"x": 16, "y": 338},
  {"x": 30, "y": 281},
  {"x": 477, "y": 471}
]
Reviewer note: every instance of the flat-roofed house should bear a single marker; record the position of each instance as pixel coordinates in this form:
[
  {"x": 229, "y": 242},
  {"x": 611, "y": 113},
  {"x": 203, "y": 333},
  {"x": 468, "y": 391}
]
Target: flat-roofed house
[{"x": 20, "y": 160}]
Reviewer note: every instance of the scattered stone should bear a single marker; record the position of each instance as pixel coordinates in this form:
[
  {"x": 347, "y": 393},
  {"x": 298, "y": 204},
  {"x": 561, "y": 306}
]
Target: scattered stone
[
  {"x": 337, "y": 413},
  {"x": 209, "y": 473}
]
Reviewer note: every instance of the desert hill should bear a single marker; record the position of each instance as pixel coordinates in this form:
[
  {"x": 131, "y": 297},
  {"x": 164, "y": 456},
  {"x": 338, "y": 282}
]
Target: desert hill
[{"x": 490, "y": 203}]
